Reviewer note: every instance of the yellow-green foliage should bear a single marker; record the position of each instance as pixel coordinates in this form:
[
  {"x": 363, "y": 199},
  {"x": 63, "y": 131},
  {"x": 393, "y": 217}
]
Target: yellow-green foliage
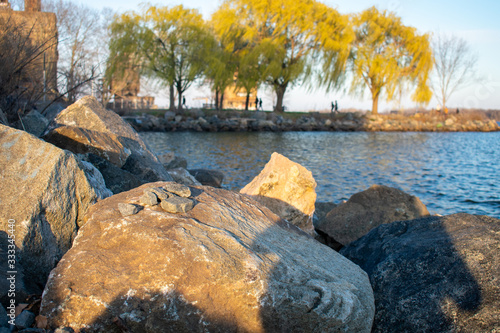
[{"x": 387, "y": 54}]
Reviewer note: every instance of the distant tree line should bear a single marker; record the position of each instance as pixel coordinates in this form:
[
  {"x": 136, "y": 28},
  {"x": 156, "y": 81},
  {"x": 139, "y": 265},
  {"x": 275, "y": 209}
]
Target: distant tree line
[{"x": 246, "y": 44}]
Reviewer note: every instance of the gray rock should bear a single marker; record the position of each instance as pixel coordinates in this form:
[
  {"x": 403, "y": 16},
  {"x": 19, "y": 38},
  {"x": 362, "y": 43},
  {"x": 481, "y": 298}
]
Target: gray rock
[
  {"x": 172, "y": 161},
  {"x": 116, "y": 179},
  {"x": 4, "y": 320},
  {"x": 25, "y": 319},
  {"x": 435, "y": 274},
  {"x": 182, "y": 176},
  {"x": 127, "y": 209},
  {"x": 179, "y": 189},
  {"x": 45, "y": 190},
  {"x": 161, "y": 193},
  {"x": 369, "y": 209},
  {"x": 177, "y": 205},
  {"x": 35, "y": 123},
  {"x": 149, "y": 198},
  {"x": 206, "y": 177},
  {"x": 227, "y": 265},
  {"x": 33, "y": 330},
  {"x": 4, "y": 330}
]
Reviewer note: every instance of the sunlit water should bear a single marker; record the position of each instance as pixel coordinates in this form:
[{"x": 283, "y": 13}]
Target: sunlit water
[{"x": 449, "y": 172}]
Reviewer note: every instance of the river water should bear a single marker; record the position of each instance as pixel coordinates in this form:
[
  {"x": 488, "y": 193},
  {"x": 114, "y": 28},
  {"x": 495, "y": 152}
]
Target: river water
[{"x": 449, "y": 172}]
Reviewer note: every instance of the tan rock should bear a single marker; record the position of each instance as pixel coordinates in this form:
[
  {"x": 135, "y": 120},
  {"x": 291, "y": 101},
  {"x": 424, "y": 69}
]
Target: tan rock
[
  {"x": 82, "y": 141},
  {"x": 287, "y": 189},
  {"x": 45, "y": 191},
  {"x": 227, "y": 265},
  {"x": 369, "y": 209},
  {"x": 88, "y": 113}
]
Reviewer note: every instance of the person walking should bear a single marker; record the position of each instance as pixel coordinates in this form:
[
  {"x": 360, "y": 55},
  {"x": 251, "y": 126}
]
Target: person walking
[{"x": 260, "y": 105}]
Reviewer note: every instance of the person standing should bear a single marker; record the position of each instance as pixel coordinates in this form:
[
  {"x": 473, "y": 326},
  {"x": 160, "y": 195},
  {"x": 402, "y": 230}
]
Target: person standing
[
  {"x": 260, "y": 105},
  {"x": 336, "y": 106},
  {"x": 333, "y": 107},
  {"x": 256, "y": 103}
]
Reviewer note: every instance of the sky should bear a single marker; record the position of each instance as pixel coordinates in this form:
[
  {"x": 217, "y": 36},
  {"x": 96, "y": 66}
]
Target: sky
[{"x": 475, "y": 21}]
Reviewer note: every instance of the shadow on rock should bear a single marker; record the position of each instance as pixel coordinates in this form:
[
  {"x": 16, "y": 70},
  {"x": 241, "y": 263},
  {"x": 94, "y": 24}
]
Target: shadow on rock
[
  {"x": 434, "y": 274},
  {"x": 227, "y": 265}
]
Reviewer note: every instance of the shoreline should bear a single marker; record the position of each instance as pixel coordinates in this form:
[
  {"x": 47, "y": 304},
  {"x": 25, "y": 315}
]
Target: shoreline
[{"x": 240, "y": 121}]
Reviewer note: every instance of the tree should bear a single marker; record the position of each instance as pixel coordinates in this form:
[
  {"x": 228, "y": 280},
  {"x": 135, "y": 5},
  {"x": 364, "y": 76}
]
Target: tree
[
  {"x": 82, "y": 31},
  {"x": 21, "y": 66},
  {"x": 169, "y": 44},
  {"x": 285, "y": 34},
  {"x": 454, "y": 64},
  {"x": 244, "y": 60},
  {"x": 387, "y": 53}
]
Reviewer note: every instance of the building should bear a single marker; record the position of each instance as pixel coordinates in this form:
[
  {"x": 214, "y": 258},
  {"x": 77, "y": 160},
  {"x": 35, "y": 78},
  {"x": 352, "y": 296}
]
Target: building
[
  {"x": 41, "y": 29},
  {"x": 126, "y": 92}
]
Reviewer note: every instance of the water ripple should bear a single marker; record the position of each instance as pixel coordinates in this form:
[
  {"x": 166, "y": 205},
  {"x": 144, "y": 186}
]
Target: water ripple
[{"x": 449, "y": 172}]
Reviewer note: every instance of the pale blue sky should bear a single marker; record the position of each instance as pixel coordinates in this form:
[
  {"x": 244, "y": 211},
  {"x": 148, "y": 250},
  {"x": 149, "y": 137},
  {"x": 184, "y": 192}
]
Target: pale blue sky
[{"x": 476, "y": 21}]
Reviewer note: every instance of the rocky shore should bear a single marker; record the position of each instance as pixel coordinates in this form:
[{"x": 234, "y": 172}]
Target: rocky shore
[
  {"x": 238, "y": 121},
  {"x": 99, "y": 234}
]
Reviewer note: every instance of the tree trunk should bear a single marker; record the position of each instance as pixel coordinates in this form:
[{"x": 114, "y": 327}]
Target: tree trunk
[
  {"x": 217, "y": 99},
  {"x": 280, "y": 93},
  {"x": 375, "y": 103},
  {"x": 172, "y": 98},
  {"x": 179, "y": 99},
  {"x": 222, "y": 101},
  {"x": 247, "y": 101}
]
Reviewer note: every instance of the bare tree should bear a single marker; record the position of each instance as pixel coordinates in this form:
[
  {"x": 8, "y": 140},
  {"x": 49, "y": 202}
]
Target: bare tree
[
  {"x": 455, "y": 66},
  {"x": 82, "y": 46},
  {"x": 21, "y": 66}
]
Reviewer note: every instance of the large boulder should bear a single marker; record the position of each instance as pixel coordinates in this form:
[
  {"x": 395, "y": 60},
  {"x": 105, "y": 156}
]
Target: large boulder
[
  {"x": 435, "y": 274},
  {"x": 45, "y": 193},
  {"x": 208, "y": 177},
  {"x": 226, "y": 265},
  {"x": 81, "y": 141},
  {"x": 369, "y": 209},
  {"x": 287, "y": 189},
  {"x": 92, "y": 118}
]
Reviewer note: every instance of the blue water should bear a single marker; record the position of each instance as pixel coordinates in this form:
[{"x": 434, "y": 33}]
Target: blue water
[{"x": 449, "y": 172}]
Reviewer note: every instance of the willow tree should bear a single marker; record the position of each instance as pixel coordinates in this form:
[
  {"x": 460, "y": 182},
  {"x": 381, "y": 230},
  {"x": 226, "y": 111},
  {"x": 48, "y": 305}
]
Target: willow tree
[
  {"x": 167, "y": 43},
  {"x": 285, "y": 34},
  {"x": 241, "y": 62},
  {"x": 386, "y": 54}
]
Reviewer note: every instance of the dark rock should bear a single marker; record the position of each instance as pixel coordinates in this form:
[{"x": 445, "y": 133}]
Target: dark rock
[
  {"x": 127, "y": 209},
  {"x": 177, "y": 205},
  {"x": 4, "y": 320},
  {"x": 321, "y": 209},
  {"x": 435, "y": 274},
  {"x": 206, "y": 177},
  {"x": 172, "y": 161},
  {"x": 116, "y": 179},
  {"x": 369, "y": 209},
  {"x": 227, "y": 265},
  {"x": 34, "y": 123},
  {"x": 5, "y": 330},
  {"x": 25, "y": 319}
]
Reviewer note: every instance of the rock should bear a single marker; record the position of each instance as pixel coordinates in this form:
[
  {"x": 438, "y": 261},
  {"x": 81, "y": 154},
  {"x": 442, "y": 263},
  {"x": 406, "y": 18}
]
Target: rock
[
  {"x": 4, "y": 330},
  {"x": 46, "y": 192},
  {"x": 149, "y": 198},
  {"x": 369, "y": 209},
  {"x": 81, "y": 141},
  {"x": 34, "y": 123},
  {"x": 25, "y": 319},
  {"x": 177, "y": 205},
  {"x": 88, "y": 113},
  {"x": 4, "y": 320},
  {"x": 172, "y": 161},
  {"x": 182, "y": 176},
  {"x": 435, "y": 274},
  {"x": 288, "y": 189},
  {"x": 179, "y": 189},
  {"x": 3, "y": 118},
  {"x": 160, "y": 193},
  {"x": 64, "y": 330},
  {"x": 227, "y": 265},
  {"x": 207, "y": 177},
  {"x": 116, "y": 179},
  {"x": 127, "y": 209}
]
